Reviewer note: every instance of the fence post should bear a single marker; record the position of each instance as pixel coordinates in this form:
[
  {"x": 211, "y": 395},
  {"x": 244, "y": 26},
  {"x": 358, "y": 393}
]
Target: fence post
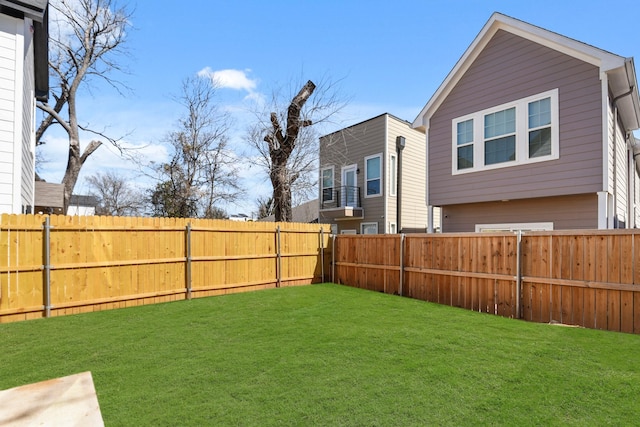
[
  {"x": 278, "y": 258},
  {"x": 47, "y": 266},
  {"x": 518, "y": 274},
  {"x": 400, "y": 287},
  {"x": 333, "y": 258},
  {"x": 322, "y": 251},
  {"x": 188, "y": 260}
]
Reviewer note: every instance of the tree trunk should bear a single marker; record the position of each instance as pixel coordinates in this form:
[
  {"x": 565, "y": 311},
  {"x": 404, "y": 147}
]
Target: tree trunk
[
  {"x": 281, "y": 193},
  {"x": 74, "y": 164}
]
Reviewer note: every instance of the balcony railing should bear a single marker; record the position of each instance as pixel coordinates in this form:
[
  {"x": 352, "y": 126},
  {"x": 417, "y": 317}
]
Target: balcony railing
[{"x": 337, "y": 197}]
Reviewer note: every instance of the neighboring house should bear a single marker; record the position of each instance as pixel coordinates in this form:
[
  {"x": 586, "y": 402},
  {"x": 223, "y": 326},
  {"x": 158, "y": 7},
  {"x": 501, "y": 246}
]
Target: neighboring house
[
  {"x": 24, "y": 78},
  {"x": 49, "y": 198},
  {"x": 239, "y": 217},
  {"x": 533, "y": 130},
  {"x": 306, "y": 213},
  {"x": 82, "y": 205},
  {"x": 359, "y": 170}
]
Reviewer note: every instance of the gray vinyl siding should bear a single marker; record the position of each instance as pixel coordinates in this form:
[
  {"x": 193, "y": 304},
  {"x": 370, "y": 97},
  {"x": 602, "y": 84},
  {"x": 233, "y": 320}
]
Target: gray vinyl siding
[
  {"x": 510, "y": 68},
  {"x": 566, "y": 213},
  {"x": 28, "y": 131},
  {"x": 350, "y": 146}
]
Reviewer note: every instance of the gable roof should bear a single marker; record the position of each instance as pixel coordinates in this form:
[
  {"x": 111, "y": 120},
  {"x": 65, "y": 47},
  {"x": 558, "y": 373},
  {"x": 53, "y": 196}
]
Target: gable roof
[{"x": 620, "y": 70}]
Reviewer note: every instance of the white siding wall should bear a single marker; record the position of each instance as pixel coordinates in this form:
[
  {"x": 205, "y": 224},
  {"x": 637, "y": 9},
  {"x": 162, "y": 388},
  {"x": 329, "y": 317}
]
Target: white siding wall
[
  {"x": 414, "y": 206},
  {"x": 618, "y": 184},
  {"x": 12, "y": 57},
  {"x": 8, "y": 64},
  {"x": 636, "y": 205}
]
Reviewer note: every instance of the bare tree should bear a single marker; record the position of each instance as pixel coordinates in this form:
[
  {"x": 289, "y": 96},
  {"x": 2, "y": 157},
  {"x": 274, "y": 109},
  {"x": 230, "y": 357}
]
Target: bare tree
[
  {"x": 86, "y": 38},
  {"x": 288, "y": 142},
  {"x": 115, "y": 194},
  {"x": 203, "y": 171},
  {"x": 265, "y": 207}
]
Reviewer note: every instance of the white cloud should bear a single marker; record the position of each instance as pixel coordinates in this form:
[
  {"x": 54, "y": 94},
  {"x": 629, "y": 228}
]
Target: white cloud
[{"x": 230, "y": 79}]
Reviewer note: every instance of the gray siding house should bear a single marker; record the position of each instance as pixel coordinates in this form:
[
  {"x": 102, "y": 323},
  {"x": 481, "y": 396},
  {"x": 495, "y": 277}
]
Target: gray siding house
[
  {"x": 363, "y": 170},
  {"x": 533, "y": 130}
]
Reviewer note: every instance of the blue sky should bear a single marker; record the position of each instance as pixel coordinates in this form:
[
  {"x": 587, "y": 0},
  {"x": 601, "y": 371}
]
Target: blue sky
[{"x": 389, "y": 57}]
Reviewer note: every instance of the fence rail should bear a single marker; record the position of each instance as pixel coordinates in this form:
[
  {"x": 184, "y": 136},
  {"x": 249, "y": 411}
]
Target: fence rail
[
  {"x": 51, "y": 266},
  {"x": 585, "y": 278}
]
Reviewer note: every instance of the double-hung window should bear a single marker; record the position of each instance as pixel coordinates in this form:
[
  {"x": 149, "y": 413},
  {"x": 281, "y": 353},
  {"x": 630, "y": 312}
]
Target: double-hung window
[
  {"x": 519, "y": 132},
  {"x": 539, "y": 127},
  {"x": 465, "y": 144},
  {"x": 500, "y": 136},
  {"x": 373, "y": 175},
  {"x": 326, "y": 183}
]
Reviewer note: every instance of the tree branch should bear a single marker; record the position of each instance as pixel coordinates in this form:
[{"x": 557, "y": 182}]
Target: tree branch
[
  {"x": 293, "y": 113},
  {"x": 93, "y": 146},
  {"x": 53, "y": 113}
]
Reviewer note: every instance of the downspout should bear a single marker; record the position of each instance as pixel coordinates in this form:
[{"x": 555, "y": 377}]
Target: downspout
[
  {"x": 631, "y": 222},
  {"x": 400, "y": 144},
  {"x": 615, "y": 163}
]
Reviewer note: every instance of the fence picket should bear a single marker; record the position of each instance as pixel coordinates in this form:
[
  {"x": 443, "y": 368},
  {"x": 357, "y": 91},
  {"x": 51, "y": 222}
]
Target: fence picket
[
  {"x": 586, "y": 278},
  {"x": 101, "y": 263}
]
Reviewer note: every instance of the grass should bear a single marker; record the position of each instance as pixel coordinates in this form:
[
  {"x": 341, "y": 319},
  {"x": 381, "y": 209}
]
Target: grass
[{"x": 329, "y": 355}]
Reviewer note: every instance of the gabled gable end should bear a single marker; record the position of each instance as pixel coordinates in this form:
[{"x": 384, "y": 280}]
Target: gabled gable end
[{"x": 620, "y": 70}]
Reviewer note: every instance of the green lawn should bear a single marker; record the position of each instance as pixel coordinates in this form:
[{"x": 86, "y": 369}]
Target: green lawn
[{"x": 329, "y": 355}]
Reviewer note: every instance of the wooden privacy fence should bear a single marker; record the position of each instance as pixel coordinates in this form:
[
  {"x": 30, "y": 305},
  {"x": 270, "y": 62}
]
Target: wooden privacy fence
[
  {"x": 585, "y": 278},
  {"x": 51, "y": 266}
]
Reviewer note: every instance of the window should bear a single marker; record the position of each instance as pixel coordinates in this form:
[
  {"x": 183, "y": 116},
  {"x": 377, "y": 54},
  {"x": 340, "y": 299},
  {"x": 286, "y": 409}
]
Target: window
[
  {"x": 540, "y": 128},
  {"x": 465, "y": 144},
  {"x": 369, "y": 228},
  {"x": 500, "y": 136},
  {"x": 393, "y": 172},
  {"x": 373, "y": 175},
  {"x": 326, "y": 184},
  {"x": 520, "y": 132},
  {"x": 392, "y": 228}
]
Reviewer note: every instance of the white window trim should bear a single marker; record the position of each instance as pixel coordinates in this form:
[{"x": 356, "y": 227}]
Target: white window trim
[
  {"x": 343, "y": 185},
  {"x": 392, "y": 228},
  {"x": 333, "y": 183},
  {"x": 365, "y": 224},
  {"x": 522, "y": 135},
  {"x": 364, "y": 189},
  {"x": 349, "y": 232},
  {"x": 525, "y": 226},
  {"x": 393, "y": 180}
]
